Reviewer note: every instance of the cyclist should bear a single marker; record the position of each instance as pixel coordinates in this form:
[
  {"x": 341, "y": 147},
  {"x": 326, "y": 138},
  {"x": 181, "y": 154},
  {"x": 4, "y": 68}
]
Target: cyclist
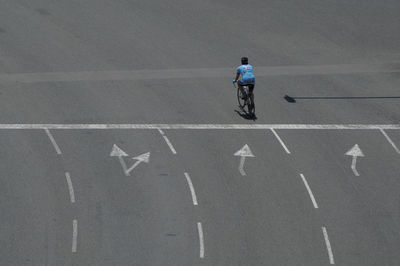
[{"x": 246, "y": 71}]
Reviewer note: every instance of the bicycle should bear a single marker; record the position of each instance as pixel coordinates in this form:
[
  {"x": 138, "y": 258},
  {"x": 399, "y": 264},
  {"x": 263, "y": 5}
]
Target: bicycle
[{"x": 244, "y": 99}]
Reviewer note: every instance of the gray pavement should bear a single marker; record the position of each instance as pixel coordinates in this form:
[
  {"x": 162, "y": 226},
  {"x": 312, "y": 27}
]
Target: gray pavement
[{"x": 149, "y": 62}]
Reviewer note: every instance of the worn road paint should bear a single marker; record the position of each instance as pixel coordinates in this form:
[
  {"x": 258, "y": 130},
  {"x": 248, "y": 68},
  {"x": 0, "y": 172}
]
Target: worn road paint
[
  {"x": 74, "y": 235},
  {"x": 355, "y": 152},
  {"x": 309, "y": 191},
  {"x": 200, "y": 126},
  {"x": 243, "y": 153},
  {"x": 118, "y": 152},
  {"x": 171, "y": 147},
  {"x": 328, "y": 246},
  {"x": 53, "y": 141},
  {"x": 280, "y": 141},
  {"x": 191, "y": 187},
  {"x": 201, "y": 239},
  {"x": 143, "y": 158},
  {"x": 390, "y": 141},
  {"x": 70, "y": 187}
]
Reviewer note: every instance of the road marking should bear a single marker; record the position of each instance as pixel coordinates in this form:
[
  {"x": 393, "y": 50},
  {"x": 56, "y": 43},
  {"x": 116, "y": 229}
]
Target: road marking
[
  {"x": 167, "y": 141},
  {"x": 200, "y": 126},
  {"x": 390, "y": 141},
  {"x": 53, "y": 141},
  {"x": 309, "y": 191},
  {"x": 243, "y": 153},
  {"x": 389, "y": 67},
  {"x": 70, "y": 187},
  {"x": 74, "y": 235},
  {"x": 201, "y": 239},
  {"x": 355, "y": 152},
  {"x": 191, "y": 187},
  {"x": 280, "y": 141},
  {"x": 328, "y": 245}
]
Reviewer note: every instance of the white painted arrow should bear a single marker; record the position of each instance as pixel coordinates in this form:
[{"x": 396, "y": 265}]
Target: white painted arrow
[
  {"x": 243, "y": 153},
  {"x": 118, "y": 152},
  {"x": 145, "y": 158},
  {"x": 355, "y": 152}
]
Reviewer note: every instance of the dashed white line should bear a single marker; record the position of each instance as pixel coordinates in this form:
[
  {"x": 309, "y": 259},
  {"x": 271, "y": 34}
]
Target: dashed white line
[
  {"x": 328, "y": 245},
  {"x": 201, "y": 126},
  {"x": 280, "y": 141},
  {"x": 191, "y": 187},
  {"x": 53, "y": 141},
  {"x": 74, "y": 235},
  {"x": 390, "y": 141},
  {"x": 309, "y": 191},
  {"x": 70, "y": 187},
  {"x": 201, "y": 239},
  {"x": 167, "y": 141}
]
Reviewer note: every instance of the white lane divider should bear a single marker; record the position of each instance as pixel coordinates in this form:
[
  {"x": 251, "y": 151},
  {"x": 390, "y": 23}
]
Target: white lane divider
[
  {"x": 201, "y": 239},
  {"x": 390, "y": 141},
  {"x": 309, "y": 191},
  {"x": 74, "y": 235},
  {"x": 328, "y": 245},
  {"x": 70, "y": 187},
  {"x": 280, "y": 141},
  {"x": 53, "y": 141},
  {"x": 191, "y": 187},
  {"x": 167, "y": 141}
]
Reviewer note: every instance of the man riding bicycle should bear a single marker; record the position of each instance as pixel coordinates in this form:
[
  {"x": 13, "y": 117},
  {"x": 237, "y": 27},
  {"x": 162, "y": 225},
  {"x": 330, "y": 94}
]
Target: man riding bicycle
[{"x": 246, "y": 71}]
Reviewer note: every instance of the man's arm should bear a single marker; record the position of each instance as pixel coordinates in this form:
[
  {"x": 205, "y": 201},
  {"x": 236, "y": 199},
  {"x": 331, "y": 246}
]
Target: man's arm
[{"x": 237, "y": 76}]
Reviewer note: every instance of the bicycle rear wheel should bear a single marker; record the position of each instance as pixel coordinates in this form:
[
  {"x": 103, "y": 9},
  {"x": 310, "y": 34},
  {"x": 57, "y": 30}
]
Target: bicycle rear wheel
[{"x": 241, "y": 101}]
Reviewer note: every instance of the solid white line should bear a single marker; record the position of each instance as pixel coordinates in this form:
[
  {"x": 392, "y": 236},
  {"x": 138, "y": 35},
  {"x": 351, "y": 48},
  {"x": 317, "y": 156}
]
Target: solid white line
[
  {"x": 200, "y": 126},
  {"x": 328, "y": 245},
  {"x": 74, "y": 235},
  {"x": 53, "y": 141},
  {"x": 201, "y": 239},
  {"x": 390, "y": 141},
  {"x": 280, "y": 141},
  {"x": 70, "y": 187},
  {"x": 191, "y": 187},
  {"x": 309, "y": 191},
  {"x": 167, "y": 141}
]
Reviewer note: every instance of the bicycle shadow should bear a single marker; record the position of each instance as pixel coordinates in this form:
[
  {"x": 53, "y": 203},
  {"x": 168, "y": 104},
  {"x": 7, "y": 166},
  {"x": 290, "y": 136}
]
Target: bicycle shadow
[{"x": 246, "y": 115}]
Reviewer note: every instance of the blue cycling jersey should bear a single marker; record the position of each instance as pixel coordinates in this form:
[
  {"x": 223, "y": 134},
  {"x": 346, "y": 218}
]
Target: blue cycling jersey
[{"x": 247, "y": 74}]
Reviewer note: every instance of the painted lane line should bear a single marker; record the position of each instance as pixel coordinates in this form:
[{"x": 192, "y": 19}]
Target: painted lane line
[
  {"x": 280, "y": 141},
  {"x": 202, "y": 126},
  {"x": 309, "y": 191},
  {"x": 201, "y": 239},
  {"x": 70, "y": 187},
  {"x": 171, "y": 147},
  {"x": 390, "y": 141},
  {"x": 74, "y": 235},
  {"x": 191, "y": 187},
  {"x": 328, "y": 245},
  {"x": 53, "y": 141}
]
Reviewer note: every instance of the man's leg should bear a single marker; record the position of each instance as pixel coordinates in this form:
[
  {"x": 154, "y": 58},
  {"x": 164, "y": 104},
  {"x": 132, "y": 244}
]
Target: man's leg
[{"x": 241, "y": 89}]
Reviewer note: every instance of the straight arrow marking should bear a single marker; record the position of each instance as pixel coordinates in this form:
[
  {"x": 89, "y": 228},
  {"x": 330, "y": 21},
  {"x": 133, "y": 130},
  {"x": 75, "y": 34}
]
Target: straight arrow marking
[
  {"x": 355, "y": 152},
  {"x": 243, "y": 153}
]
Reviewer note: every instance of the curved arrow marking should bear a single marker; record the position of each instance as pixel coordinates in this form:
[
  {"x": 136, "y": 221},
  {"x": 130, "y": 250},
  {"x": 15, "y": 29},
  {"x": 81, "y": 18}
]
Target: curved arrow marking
[
  {"x": 243, "y": 153},
  {"x": 355, "y": 152}
]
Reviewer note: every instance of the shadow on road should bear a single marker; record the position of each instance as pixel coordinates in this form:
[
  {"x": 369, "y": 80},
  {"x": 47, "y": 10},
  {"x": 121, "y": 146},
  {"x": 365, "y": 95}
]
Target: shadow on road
[
  {"x": 293, "y": 99},
  {"x": 246, "y": 115}
]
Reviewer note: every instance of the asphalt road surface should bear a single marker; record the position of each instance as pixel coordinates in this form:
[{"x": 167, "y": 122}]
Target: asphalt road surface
[{"x": 119, "y": 127}]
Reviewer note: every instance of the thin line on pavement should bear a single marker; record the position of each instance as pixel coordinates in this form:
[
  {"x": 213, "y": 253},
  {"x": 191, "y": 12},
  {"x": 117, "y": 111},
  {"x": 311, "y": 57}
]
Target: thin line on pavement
[
  {"x": 328, "y": 245},
  {"x": 390, "y": 141},
  {"x": 280, "y": 141},
  {"x": 201, "y": 239},
  {"x": 191, "y": 187},
  {"x": 201, "y": 126},
  {"x": 53, "y": 141},
  {"x": 70, "y": 187},
  {"x": 74, "y": 235},
  {"x": 171, "y": 147},
  {"x": 309, "y": 191}
]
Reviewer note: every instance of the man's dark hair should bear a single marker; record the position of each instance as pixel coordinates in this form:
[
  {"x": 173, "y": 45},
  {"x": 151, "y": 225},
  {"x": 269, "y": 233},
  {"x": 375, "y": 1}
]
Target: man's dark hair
[{"x": 245, "y": 60}]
